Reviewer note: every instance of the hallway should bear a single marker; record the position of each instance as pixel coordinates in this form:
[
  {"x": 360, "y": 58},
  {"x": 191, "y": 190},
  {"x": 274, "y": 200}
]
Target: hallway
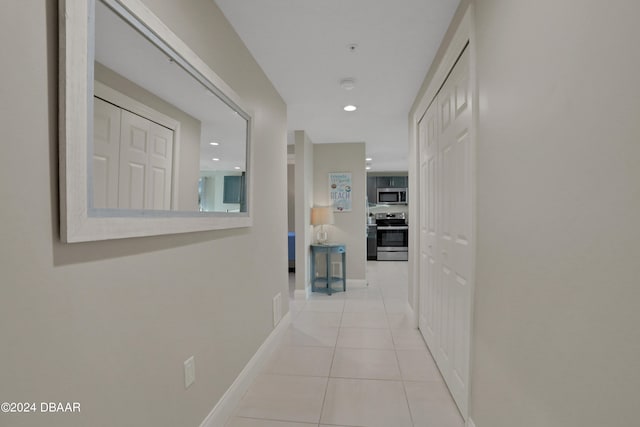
[{"x": 351, "y": 359}]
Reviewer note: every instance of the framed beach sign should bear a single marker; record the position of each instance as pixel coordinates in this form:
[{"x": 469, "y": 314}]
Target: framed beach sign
[{"x": 340, "y": 191}]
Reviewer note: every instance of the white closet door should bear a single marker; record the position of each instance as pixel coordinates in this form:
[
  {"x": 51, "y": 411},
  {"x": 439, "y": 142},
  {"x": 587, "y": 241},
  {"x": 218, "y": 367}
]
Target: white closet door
[
  {"x": 106, "y": 154},
  {"x": 446, "y": 241},
  {"x": 446, "y": 233},
  {"x": 456, "y": 239},
  {"x": 145, "y": 164},
  {"x": 160, "y": 163},
  {"x": 430, "y": 287}
]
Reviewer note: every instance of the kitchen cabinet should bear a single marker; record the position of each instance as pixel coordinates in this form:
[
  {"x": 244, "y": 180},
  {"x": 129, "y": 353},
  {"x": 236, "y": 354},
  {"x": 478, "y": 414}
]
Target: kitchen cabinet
[
  {"x": 391, "y": 181},
  {"x": 372, "y": 242},
  {"x": 372, "y": 190}
]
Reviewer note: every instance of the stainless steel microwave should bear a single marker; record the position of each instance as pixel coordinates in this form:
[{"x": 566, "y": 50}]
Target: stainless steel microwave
[{"x": 392, "y": 196}]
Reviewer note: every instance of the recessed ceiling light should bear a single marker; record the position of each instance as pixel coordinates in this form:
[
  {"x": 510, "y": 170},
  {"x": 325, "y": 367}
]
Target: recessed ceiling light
[
  {"x": 368, "y": 167},
  {"x": 368, "y": 159},
  {"x": 237, "y": 168},
  {"x": 350, "y": 108},
  {"x": 215, "y": 159},
  {"x": 214, "y": 143}
]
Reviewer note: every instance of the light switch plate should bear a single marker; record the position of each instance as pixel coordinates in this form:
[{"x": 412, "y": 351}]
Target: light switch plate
[{"x": 189, "y": 372}]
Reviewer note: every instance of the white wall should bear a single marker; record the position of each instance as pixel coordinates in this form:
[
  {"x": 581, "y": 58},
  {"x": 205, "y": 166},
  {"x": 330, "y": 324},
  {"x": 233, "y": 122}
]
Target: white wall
[
  {"x": 350, "y": 227},
  {"x": 556, "y": 340},
  {"x": 109, "y": 324}
]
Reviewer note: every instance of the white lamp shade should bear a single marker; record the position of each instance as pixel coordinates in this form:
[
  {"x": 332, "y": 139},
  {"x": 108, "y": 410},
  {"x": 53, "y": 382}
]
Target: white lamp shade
[{"x": 322, "y": 215}]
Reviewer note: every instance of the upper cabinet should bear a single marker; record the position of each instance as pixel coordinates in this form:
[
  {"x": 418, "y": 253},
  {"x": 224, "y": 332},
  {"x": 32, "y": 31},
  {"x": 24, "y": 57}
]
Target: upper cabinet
[
  {"x": 391, "y": 181},
  {"x": 372, "y": 187}
]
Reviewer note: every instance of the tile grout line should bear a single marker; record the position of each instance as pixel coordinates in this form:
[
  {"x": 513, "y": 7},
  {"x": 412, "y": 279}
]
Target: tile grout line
[
  {"x": 395, "y": 350},
  {"x": 326, "y": 387},
  {"x": 334, "y": 348}
]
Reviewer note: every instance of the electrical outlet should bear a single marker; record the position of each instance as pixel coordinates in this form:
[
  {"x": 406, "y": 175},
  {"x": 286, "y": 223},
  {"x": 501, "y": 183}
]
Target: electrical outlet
[
  {"x": 277, "y": 308},
  {"x": 189, "y": 372}
]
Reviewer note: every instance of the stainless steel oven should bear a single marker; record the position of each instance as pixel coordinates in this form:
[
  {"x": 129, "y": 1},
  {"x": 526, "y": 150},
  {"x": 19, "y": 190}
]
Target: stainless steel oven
[{"x": 392, "y": 237}]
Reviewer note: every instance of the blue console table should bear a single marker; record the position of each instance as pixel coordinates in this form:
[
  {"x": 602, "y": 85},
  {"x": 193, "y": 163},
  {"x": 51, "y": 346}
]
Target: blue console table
[{"x": 328, "y": 279}]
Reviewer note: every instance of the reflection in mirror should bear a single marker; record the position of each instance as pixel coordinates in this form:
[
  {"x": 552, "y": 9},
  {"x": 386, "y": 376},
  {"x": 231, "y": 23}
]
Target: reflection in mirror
[{"x": 162, "y": 137}]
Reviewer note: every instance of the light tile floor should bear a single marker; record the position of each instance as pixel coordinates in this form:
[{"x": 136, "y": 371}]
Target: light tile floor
[{"x": 351, "y": 359}]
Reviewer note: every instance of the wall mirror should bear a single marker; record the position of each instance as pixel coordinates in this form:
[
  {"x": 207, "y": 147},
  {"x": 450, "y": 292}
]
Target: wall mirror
[{"x": 152, "y": 140}]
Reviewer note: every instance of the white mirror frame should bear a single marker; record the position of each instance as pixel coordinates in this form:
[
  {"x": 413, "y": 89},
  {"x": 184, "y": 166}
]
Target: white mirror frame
[{"x": 79, "y": 223}]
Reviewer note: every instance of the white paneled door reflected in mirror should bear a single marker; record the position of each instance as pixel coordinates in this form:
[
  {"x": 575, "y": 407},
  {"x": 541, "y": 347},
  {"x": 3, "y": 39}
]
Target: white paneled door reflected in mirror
[
  {"x": 148, "y": 130},
  {"x": 167, "y": 116}
]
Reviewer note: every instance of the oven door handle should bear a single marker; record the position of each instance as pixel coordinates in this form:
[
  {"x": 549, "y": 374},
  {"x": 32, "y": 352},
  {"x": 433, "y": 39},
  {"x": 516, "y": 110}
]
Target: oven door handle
[{"x": 406, "y": 227}]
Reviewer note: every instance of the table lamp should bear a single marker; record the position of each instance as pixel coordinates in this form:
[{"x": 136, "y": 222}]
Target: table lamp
[{"x": 322, "y": 216}]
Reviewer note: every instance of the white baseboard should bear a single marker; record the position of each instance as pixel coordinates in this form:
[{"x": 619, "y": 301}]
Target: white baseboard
[
  {"x": 470, "y": 422},
  {"x": 223, "y": 410}
]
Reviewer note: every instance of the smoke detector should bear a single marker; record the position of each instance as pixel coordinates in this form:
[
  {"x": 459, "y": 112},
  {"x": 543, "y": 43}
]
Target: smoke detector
[{"x": 347, "y": 84}]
